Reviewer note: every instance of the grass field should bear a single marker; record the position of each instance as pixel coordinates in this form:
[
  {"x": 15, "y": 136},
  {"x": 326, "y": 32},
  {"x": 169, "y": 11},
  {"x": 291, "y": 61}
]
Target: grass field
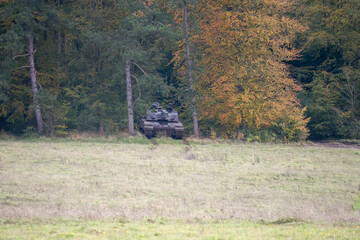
[
  {"x": 170, "y": 229},
  {"x": 132, "y": 188}
]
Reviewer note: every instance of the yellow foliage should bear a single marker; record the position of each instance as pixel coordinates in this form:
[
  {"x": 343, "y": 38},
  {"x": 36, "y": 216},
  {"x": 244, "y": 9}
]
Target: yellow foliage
[
  {"x": 39, "y": 17},
  {"x": 139, "y": 14},
  {"x": 148, "y": 2},
  {"x": 6, "y": 1},
  {"x": 245, "y": 81},
  {"x": 212, "y": 134}
]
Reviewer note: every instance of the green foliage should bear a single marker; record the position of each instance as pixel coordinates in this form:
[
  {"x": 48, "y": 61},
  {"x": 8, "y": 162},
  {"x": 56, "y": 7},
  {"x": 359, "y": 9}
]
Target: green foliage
[
  {"x": 30, "y": 132},
  {"x": 322, "y": 107},
  {"x": 54, "y": 113},
  {"x": 88, "y": 66},
  {"x": 6, "y": 136},
  {"x": 19, "y": 19},
  {"x": 61, "y": 131},
  {"x": 282, "y": 132},
  {"x": 145, "y": 38},
  {"x": 330, "y": 67},
  {"x": 347, "y": 127},
  {"x": 260, "y": 135}
]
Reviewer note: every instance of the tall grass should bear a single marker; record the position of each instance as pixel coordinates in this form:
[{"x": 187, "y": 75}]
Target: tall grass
[{"x": 136, "y": 180}]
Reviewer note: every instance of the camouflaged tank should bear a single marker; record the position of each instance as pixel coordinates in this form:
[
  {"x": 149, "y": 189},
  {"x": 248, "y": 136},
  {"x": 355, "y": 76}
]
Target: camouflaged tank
[{"x": 158, "y": 120}]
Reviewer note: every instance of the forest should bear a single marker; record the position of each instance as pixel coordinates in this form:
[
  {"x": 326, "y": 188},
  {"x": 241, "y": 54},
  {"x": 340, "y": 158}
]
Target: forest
[{"x": 255, "y": 70}]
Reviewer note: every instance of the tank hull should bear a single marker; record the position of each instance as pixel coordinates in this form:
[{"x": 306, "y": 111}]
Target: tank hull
[
  {"x": 153, "y": 128},
  {"x": 158, "y": 121}
]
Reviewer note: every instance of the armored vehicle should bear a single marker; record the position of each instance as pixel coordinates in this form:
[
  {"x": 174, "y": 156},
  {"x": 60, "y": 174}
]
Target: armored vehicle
[{"x": 158, "y": 120}]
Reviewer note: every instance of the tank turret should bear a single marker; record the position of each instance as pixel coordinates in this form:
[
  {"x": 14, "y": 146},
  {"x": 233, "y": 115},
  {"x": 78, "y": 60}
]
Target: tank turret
[{"x": 158, "y": 120}]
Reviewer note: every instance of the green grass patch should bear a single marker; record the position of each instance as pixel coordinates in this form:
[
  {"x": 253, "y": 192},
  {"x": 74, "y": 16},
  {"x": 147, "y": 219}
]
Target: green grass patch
[
  {"x": 357, "y": 203},
  {"x": 125, "y": 140},
  {"x": 349, "y": 141},
  {"x": 168, "y": 229}
]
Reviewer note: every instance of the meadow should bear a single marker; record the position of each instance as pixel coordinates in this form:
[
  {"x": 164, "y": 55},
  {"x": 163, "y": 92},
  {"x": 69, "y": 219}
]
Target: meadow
[{"x": 133, "y": 188}]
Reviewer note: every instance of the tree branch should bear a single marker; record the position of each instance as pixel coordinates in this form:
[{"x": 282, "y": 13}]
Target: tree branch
[
  {"x": 38, "y": 84},
  {"x": 24, "y": 55},
  {"x": 22, "y": 67},
  {"x": 139, "y": 67}
]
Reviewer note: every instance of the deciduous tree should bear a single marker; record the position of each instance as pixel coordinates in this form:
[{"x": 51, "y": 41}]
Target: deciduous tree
[{"x": 245, "y": 82}]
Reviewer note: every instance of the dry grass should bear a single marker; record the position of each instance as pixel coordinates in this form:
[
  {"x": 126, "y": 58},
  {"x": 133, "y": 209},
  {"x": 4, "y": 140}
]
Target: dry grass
[{"x": 204, "y": 180}]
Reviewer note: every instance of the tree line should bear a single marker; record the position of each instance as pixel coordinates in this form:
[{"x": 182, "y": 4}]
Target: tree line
[{"x": 261, "y": 70}]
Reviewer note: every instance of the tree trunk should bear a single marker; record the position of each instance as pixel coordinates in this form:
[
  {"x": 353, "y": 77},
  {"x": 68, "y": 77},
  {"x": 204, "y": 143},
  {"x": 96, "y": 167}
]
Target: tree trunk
[
  {"x": 39, "y": 120},
  {"x": 351, "y": 93},
  {"x": 191, "y": 83},
  {"x": 101, "y": 128},
  {"x": 129, "y": 98},
  {"x": 52, "y": 129}
]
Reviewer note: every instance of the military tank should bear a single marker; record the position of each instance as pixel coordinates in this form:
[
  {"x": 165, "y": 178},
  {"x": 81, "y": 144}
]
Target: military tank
[{"x": 158, "y": 120}]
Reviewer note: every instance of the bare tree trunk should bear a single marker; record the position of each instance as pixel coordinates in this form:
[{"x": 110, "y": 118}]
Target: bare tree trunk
[
  {"x": 351, "y": 94},
  {"x": 191, "y": 83},
  {"x": 129, "y": 98},
  {"x": 60, "y": 38},
  {"x": 39, "y": 120},
  {"x": 101, "y": 128},
  {"x": 59, "y": 49}
]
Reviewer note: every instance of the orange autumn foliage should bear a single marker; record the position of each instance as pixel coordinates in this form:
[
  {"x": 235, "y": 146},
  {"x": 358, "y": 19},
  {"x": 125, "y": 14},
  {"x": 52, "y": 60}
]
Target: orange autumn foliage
[{"x": 245, "y": 81}]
